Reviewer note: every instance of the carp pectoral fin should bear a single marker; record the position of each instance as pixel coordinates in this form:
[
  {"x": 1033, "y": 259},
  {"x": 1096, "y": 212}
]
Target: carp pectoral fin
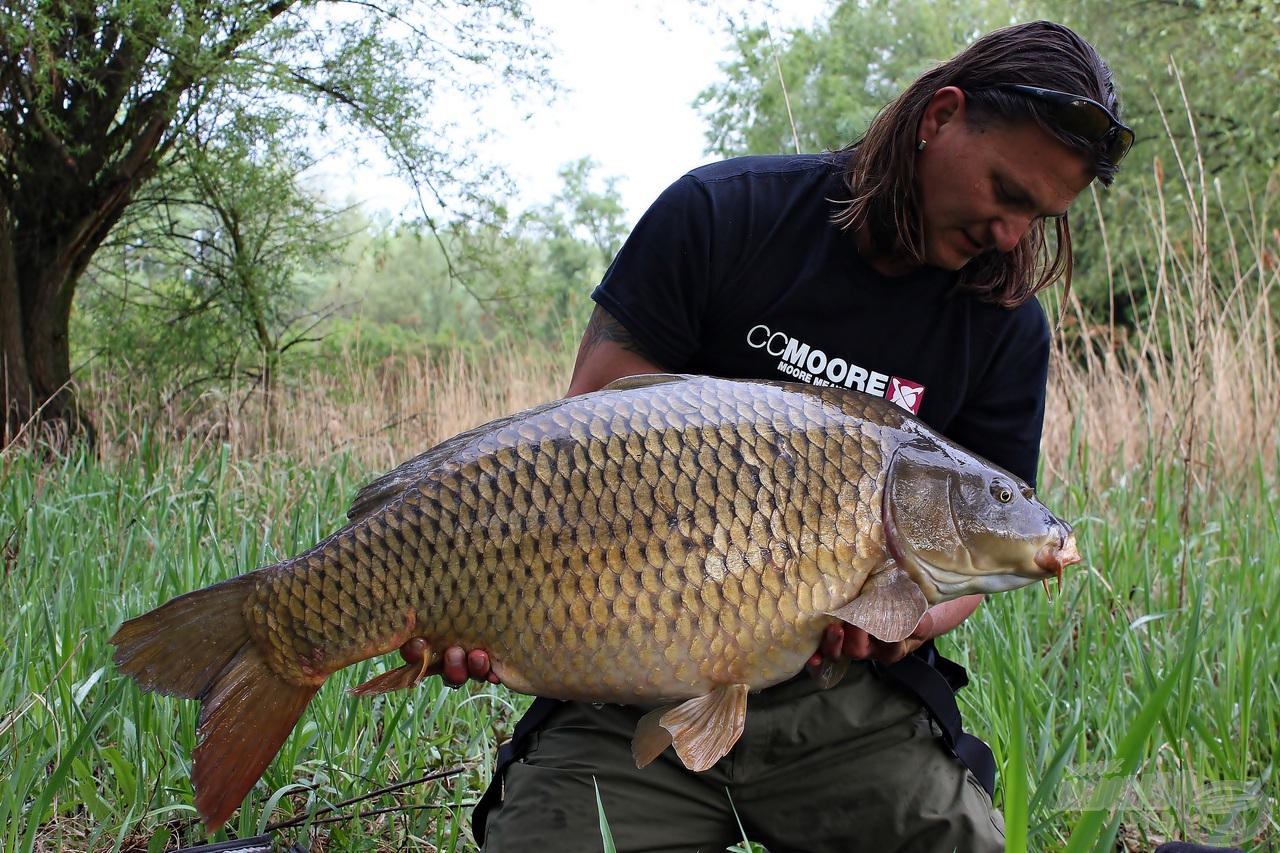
[
  {"x": 400, "y": 678},
  {"x": 828, "y": 673},
  {"x": 888, "y": 606},
  {"x": 702, "y": 730}
]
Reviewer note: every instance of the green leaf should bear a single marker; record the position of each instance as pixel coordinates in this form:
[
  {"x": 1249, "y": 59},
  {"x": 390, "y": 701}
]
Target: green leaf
[{"x": 605, "y": 835}]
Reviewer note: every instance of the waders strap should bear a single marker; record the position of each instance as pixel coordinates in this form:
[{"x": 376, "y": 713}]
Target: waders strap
[
  {"x": 934, "y": 680},
  {"x": 507, "y": 753}
]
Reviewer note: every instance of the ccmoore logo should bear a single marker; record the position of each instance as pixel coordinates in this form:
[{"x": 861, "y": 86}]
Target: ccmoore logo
[{"x": 802, "y": 362}]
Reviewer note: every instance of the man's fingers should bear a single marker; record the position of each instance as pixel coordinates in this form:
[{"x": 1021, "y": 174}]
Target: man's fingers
[
  {"x": 833, "y": 641},
  {"x": 828, "y": 646},
  {"x": 478, "y": 664},
  {"x": 858, "y": 644},
  {"x": 454, "y": 666},
  {"x": 414, "y": 650},
  {"x": 849, "y": 641}
]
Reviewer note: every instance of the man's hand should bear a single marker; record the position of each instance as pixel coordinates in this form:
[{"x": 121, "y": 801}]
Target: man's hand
[
  {"x": 841, "y": 640},
  {"x": 458, "y": 665}
]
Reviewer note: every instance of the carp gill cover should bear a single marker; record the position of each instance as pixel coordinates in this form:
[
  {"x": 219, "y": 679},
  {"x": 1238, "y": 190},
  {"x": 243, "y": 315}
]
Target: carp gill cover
[{"x": 668, "y": 541}]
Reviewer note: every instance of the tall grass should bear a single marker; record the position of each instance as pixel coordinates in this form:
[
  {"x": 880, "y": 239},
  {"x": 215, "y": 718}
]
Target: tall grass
[
  {"x": 1144, "y": 703},
  {"x": 1140, "y": 704}
]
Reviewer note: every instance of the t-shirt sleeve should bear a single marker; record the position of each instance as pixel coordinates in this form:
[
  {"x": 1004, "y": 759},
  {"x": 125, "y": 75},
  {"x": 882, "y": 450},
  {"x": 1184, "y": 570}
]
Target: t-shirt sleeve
[
  {"x": 659, "y": 282},
  {"x": 1003, "y": 417}
]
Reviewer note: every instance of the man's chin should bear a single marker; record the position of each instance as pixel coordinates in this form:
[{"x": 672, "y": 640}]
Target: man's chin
[{"x": 950, "y": 261}]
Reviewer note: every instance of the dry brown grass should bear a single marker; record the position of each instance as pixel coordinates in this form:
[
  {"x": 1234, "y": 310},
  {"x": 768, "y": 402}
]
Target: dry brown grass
[
  {"x": 1200, "y": 383},
  {"x": 381, "y": 416},
  {"x": 1201, "y": 386}
]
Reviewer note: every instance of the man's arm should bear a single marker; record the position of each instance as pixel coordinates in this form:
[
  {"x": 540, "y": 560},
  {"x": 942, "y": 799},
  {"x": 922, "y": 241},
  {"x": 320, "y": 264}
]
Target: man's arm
[{"x": 607, "y": 352}]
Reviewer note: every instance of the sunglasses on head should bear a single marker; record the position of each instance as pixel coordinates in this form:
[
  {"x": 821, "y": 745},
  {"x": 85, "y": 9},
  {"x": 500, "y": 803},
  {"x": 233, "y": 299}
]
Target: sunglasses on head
[{"x": 1083, "y": 117}]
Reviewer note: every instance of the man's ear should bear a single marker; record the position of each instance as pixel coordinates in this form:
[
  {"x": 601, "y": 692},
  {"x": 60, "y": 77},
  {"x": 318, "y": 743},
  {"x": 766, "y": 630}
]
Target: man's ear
[{"x": 946, "y": 105}]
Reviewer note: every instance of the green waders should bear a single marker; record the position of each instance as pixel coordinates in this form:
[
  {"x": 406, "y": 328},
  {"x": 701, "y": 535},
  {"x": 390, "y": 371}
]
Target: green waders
[{"x": 859, "y": 767}]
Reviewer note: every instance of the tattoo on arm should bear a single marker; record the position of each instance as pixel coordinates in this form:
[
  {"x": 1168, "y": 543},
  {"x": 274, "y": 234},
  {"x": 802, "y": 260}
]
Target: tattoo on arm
[{"x": 604, "y": 328}]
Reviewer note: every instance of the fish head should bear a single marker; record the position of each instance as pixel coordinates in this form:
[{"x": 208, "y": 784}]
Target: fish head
[{"x": 960, "y": 525}]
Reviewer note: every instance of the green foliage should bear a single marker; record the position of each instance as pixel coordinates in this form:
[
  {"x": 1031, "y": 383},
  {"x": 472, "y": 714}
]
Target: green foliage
[
  {"x": 834, "y": 78},
  {"x": 529, "y": 278},
  {"x": 90, "y": 766},
  {"x": 211, "y": 277},
  {"x": 1142, "y": 697},
  {"x": 1198, "y": 82},
  {"x": 208, "y": 296},
  {"x": 606, "y": 836}
]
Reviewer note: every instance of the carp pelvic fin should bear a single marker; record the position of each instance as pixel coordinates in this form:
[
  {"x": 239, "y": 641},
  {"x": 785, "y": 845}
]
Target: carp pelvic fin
[
  {"x": 400, "y": 678},
  {"x": 702, "y": 730},
  {"x": 198, "y": 646},
  {"x": 888, "y": 607}
]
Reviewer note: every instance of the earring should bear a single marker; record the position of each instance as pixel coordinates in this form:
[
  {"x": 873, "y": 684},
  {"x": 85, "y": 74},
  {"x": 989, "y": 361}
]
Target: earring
[{"x": 923, "y": 143}]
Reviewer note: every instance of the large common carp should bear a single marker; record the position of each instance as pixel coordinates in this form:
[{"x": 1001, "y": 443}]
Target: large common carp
[{"x": 664, "y": 539}]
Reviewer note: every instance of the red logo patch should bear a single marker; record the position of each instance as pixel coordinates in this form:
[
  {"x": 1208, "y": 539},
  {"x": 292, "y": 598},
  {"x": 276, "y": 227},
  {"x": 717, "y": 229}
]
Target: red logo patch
[{"x": 906, "y": 394}]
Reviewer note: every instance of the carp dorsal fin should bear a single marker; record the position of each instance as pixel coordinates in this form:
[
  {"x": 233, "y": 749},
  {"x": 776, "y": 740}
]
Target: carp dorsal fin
[
  {"x": 643, "y": 380},
  {"x": 392, "y": 484},
  {"x": 702, "y": 730},
  {"x": 888, "y": 607}
]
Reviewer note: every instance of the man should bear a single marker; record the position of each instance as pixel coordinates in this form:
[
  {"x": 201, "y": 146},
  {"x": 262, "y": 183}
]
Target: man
[{"x": 903, "y": 266}]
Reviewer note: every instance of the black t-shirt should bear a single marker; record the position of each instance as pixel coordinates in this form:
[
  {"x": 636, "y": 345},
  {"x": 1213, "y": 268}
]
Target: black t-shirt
[{"x": 737, "y": 271}]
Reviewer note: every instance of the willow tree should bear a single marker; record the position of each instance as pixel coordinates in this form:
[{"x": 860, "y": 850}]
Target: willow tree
[{"x": 98, "y": 98}]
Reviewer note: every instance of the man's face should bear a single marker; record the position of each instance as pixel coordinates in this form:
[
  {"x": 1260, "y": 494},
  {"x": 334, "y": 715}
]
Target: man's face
[{"x": 982, "y": 188}]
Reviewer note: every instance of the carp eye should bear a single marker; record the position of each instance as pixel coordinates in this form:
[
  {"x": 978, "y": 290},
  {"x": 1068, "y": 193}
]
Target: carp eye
[{"x": 1001, "y": 492}]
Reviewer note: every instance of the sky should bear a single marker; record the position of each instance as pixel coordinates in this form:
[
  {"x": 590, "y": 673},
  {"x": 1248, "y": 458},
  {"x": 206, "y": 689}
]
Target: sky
[{"x": 630, "y": 72}]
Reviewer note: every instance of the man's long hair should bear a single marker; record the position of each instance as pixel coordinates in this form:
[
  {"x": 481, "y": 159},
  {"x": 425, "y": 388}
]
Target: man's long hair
[{"x": 881, "y": 166}]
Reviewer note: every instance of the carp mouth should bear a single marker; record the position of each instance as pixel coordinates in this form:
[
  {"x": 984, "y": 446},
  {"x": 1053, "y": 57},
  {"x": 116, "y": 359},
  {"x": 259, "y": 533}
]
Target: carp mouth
[{"x": 1054, "y": 557}]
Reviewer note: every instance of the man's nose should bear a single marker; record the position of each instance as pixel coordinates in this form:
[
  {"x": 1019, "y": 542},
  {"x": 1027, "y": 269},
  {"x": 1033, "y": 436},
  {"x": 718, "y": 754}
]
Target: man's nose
[{"x": 1008, "y": 230}]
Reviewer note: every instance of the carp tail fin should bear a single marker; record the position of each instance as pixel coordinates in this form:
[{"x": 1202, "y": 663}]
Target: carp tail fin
[
  {"x": 181, "y": 647},
  {"x": 197, "y": 646},
  {"x": 245, "y": 718}
]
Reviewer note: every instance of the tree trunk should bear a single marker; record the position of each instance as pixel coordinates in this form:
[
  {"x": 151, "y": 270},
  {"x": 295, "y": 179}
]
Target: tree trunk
[
  {"x": 58, "y": 201},
  {"x": 39, "y": 399},
  {"x": 37, "y": 282},
  {"x": 15, "y": 380}
]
